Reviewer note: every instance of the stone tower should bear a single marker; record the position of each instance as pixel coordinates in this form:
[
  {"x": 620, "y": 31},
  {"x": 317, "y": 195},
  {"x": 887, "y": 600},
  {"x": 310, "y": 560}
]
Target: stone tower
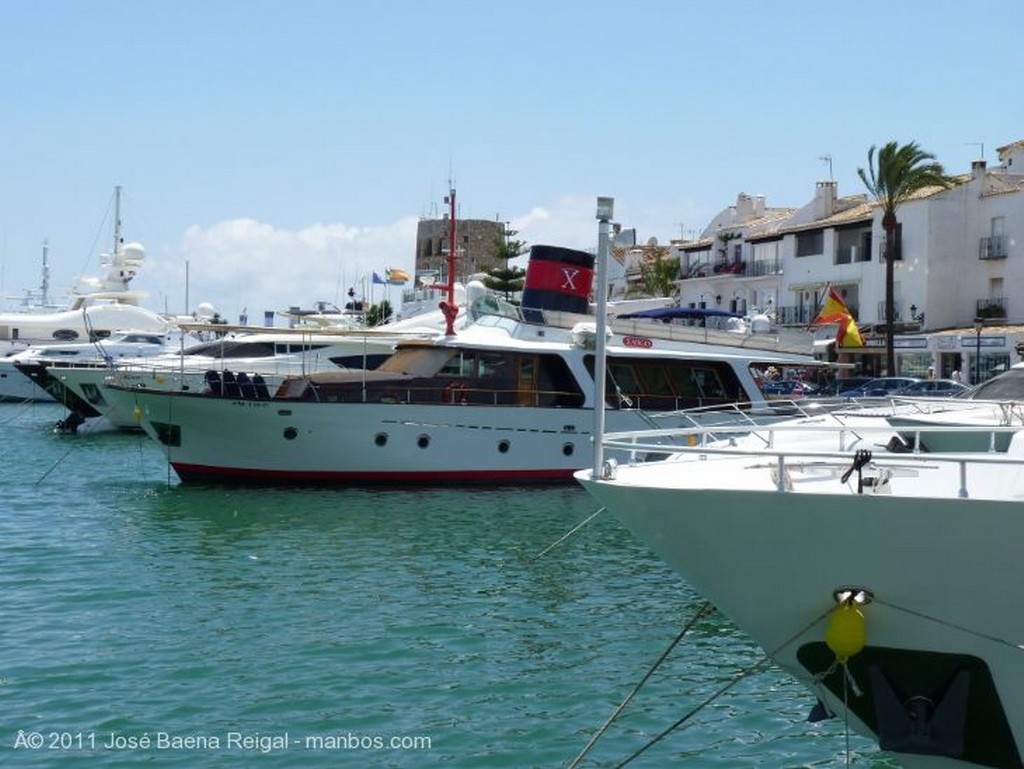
[{"x": 475, "y": 244}]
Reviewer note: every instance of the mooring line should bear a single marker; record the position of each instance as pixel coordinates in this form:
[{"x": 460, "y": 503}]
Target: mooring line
[
  {"x": 756, "y": 667},
  {"x": 567, "y": 534},
  {"x": 704, "y": 609},
  {"x": 54, "y": 466}
]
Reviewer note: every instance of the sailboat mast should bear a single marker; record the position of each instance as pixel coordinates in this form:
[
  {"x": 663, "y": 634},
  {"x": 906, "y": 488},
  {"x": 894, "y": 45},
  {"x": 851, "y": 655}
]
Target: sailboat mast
[
  {"x": 44, "y": 288},
  {"x": 117, "y": 221}
]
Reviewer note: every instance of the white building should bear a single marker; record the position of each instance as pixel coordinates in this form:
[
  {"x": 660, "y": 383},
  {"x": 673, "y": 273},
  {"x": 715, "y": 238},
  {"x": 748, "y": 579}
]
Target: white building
[{"x": 960, "y": 252}]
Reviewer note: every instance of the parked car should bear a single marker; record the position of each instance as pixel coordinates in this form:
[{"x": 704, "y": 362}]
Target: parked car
[
  {"x": 882, "y": 386},
  {"x": 933, "y": 388},
  {"x": 788, "y": 388},
  {"x": 842, "y": 385}
]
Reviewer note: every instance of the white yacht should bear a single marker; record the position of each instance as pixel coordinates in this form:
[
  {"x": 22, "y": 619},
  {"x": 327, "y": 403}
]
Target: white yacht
[
  {"x": 878, "y": 574},
  {"x": 97, "y": 308}
]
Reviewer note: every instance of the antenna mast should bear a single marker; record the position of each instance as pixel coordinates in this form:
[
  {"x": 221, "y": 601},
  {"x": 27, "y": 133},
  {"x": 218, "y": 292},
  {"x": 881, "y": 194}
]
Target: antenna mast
[{"x": 448, "y": 307}]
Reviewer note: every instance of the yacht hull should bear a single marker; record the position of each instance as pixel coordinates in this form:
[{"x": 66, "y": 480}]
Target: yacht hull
[
  {"x": 772, "y": 561},
  {"x": 208, "y": 438}
]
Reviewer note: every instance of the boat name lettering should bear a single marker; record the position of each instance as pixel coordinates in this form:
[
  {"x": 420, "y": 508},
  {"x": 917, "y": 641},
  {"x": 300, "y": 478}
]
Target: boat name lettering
[{"x": 637, "y": 341}]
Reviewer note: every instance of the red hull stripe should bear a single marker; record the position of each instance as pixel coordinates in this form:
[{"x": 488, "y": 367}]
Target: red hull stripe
[
  {"x": 555, "y": 276},
  {"x": 191, "y": 472}
]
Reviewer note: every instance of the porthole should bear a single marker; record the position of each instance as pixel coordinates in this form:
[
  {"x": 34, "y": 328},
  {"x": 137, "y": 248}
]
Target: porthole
[
  {"x": 423, "y": 441},
  {"x": 290, "y": 433},
  {"x": 568, "y": 449},
  {"x": 381, "y": 439},
  {"x": 504, "y": 446}
]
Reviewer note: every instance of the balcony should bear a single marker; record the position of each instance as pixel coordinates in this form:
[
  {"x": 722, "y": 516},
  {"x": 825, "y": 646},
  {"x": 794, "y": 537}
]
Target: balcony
[
  {"x": 991, "y": 307},
  {"x": 730, "y": 268},
  {"x": 852, "y": 255},
  {"x": 992, "y": 248},
  {"x": 696, "y": 270},
  {"x": 760, "y": 267}
]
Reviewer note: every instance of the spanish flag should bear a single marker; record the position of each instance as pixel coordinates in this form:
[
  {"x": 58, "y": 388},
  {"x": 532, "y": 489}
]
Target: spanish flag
[
  {"x": 834, "y": 310},
  {"x": 396, "y": 277}
]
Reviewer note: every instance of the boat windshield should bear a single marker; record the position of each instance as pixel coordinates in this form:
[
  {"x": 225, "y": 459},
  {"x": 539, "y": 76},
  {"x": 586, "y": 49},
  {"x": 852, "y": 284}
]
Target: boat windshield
[{"x": 1008, "y": 386}]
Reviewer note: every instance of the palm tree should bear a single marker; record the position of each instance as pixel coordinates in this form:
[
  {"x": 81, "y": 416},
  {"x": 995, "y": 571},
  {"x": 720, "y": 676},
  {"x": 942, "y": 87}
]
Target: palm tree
[
  {"x": 898, "y": 173},
  {"x": 659, "y": 271}
]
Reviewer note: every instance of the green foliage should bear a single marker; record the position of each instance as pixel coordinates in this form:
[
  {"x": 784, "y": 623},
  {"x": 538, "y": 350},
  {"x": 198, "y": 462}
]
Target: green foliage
[
  {"x": 508, "y": 279},
  {"x": 378, "y": 314},
  {"x": 659, "y": 271},
  {"x": 898, "y": 172},
  {"x": 505, "y": 280}
]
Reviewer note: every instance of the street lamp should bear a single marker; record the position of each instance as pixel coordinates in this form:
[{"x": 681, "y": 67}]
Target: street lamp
[
  {"x": 979, "y": 324},
  {"x": 605, "y": 212}
]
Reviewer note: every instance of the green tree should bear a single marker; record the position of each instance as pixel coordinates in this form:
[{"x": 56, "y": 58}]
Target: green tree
[
  {"x": 378, "y": 314},
  {"x": 505, "y": 280},
  {"x": 658, "y": 270},
  {"x": 508, "y": 279},
  {"x": 892, "y": 177}
]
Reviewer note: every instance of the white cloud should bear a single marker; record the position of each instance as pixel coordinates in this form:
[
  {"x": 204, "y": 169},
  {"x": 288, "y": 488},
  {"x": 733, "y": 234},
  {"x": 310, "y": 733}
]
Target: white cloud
[
  {"x": 569, "y": 222},
  {"x": 248, "y": 264},
  {"x": 244, "y": 263}
]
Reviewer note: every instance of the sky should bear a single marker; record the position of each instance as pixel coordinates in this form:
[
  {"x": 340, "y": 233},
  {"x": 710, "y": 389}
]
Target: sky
[{"x": 280, "y": 152}]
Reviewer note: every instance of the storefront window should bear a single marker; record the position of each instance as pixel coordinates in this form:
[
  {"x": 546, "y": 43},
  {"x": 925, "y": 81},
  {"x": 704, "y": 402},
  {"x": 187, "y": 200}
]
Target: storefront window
[{"x": 916, "y": 364}]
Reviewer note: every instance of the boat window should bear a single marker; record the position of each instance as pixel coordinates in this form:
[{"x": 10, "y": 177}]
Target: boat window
[
  {"x": 491, "y": 365},
  {"x": 229, "y": 348},
  {"x": 291, "y": 348},
  {"x": 462, "y": 364},
  {"x": 670, "y": 383},
  {"x": 140, "y": 339},
  {"x": 367, "y": 362},
  {"x": 654, "y": 379},
  {"x": 621, "y": 376},
  {"x": 709, "y": 384}
]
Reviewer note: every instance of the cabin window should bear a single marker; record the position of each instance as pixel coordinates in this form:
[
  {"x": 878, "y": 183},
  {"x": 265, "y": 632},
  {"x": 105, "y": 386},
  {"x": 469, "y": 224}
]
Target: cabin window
[
  {"x": 654, "y": 379},
  {"x": 662, "y": 385}
]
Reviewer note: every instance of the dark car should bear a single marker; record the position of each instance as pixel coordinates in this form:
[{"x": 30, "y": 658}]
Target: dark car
[
  {"x": 882, "y": 386},
  {"x": 933, "y": 388},
  {"x": 842, "y": 385}
]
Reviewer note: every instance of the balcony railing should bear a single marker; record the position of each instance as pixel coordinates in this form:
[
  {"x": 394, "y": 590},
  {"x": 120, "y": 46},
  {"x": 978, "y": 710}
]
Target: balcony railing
[
  {"x": 760, "y": 267},
  {"x": 696, "y": 270},
  {"x": 992, "y": 248},
  {"x": 852, "y": 255},
  {"x": 991, "y": 307},
  {"x": 730, "y": 268}
]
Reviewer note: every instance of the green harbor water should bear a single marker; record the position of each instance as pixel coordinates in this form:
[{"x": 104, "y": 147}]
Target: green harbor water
[{"x": 146, "y": 623}]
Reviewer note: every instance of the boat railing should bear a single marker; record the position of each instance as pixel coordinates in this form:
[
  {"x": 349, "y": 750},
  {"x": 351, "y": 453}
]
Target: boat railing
[{"x": 702, "y": 441}]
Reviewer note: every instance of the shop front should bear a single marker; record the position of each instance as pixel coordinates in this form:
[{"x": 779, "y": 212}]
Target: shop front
[{"x": 976, "y": 353}]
